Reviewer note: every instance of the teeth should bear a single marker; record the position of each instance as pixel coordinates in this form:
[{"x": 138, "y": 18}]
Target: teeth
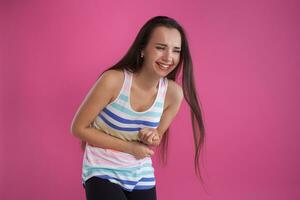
[{"x": 164, "y": 66}]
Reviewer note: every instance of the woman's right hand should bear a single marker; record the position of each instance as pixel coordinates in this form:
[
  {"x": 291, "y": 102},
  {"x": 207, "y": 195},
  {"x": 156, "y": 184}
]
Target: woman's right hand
[{"x": 140, "y": 150}]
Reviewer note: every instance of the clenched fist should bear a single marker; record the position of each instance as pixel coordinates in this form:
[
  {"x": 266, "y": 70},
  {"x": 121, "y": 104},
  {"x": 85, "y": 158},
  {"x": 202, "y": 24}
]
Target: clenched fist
[{"x": 149, "y": 136}]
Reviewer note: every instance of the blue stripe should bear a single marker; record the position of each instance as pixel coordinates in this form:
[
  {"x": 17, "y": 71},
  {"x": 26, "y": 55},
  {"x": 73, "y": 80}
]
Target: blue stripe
[
  {"x": 135, "y": 114},
  {"x": 120, "y": 180},
  {"x": 126, "y": 181},
  {"x": 117, "y": 127},
  {"x": 123, "y": 97},
  {"x": 136, "y": 173},
  {"x": 126, "y": 99},
  {"x": 143, "y": 187},
  {"x": 158, "y": 104},
  {"x": 113, "y": 172},
  {"x": 128, "y": 121},
  {"x": 126, "y": 169}
]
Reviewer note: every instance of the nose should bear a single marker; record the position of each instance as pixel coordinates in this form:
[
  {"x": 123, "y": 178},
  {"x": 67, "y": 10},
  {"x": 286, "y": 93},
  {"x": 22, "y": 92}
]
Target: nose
[{"x": 167, "y": 56}]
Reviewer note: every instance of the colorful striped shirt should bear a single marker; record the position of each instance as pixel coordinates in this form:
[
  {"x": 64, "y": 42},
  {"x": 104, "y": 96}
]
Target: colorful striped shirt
[{"x": 120, "y": 120}]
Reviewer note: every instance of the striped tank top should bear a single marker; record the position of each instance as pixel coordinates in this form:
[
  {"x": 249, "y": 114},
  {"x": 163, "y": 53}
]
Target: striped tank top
[{"x": 118, "y": 119}]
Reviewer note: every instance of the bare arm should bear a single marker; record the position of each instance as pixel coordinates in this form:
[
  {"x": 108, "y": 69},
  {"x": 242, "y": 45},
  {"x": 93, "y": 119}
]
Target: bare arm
[
  {"x": 173, "y": 101},
  {"x": 98, "y": 97}
]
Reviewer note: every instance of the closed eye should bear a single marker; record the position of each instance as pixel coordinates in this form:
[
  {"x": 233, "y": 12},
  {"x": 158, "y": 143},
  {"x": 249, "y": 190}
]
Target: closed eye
[{"x": 162, "y": 48}]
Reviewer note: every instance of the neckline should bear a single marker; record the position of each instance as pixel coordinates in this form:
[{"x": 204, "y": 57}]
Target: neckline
[{"x": 129, "y": 93}]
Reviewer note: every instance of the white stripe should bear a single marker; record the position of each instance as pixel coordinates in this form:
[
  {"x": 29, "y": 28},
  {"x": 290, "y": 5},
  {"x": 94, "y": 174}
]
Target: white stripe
[
  {"x": 154, "y": 108},
  {"x": 141, "y": 183},
  {"x": 86, "y": 173},
  {"x": 130, "y": 117},
  {"x": 124, "y": 135},
  {"x": 113, "y": 156}
]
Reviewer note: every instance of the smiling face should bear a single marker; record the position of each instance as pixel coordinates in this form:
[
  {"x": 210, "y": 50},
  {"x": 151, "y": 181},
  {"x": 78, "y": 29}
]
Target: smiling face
[{"x": 162, "y": 52}]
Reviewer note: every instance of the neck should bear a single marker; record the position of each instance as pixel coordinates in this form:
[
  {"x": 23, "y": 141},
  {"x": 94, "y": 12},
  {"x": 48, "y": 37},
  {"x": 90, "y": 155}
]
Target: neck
[{"x": 145, "y": 80}]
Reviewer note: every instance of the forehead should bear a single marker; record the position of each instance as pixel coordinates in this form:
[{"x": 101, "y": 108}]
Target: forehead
[{"x": 168, "y": 36}]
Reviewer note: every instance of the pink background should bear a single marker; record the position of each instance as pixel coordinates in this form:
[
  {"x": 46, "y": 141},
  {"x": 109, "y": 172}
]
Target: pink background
[{"x": 246, "y": 58}]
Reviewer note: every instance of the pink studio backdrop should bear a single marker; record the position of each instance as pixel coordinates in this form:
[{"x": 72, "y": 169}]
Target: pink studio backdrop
[{"x": 246, "y": 58}]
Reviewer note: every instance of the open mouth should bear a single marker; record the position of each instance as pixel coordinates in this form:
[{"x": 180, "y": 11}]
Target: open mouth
[{"x": 163, "y": 66}]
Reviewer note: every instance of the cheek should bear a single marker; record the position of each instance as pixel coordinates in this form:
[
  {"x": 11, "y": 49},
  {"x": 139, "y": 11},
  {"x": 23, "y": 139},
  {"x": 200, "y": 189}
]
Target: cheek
[
  {"x": 149, "y": 59},
  {"x": 153, "y": 57},
  {"x": 177, "y": 59}
]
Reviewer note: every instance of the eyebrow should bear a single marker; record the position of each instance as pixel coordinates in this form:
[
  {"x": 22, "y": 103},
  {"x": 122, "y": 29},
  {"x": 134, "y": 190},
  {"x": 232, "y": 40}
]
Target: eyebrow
[{"x": 161, "y": 44}]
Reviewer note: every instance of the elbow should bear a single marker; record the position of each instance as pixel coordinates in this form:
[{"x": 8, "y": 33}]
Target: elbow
[{"x": 75, "y": 130}]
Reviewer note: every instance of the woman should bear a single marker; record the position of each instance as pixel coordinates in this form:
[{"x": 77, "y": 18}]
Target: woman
[{"x": 129, "y": 110}]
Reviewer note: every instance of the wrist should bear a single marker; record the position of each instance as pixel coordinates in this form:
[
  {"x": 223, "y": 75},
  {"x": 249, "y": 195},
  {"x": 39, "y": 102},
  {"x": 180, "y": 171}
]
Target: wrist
[{"x": 131, "y": 147}]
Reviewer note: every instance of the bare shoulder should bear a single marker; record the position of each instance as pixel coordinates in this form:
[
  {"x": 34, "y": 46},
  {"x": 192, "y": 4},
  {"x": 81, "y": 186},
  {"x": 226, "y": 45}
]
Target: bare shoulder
[
  {"x": 97, "y": 98},
  {"x": 112, "y": 80},
  {"x": 111, "y": 77},
  {"x": 174, "y": 93}
]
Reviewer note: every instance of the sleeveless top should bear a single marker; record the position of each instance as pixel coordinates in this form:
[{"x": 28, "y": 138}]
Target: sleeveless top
[{"x": 118, "y": 119}]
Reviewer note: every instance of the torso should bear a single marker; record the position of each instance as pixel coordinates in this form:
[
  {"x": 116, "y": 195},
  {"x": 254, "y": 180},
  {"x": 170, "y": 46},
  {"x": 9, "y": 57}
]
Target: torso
[{"x": 137, "y": 94}]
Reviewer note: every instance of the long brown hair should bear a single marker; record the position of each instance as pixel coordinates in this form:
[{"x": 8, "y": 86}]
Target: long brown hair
[{"x": 132, "y": 62}]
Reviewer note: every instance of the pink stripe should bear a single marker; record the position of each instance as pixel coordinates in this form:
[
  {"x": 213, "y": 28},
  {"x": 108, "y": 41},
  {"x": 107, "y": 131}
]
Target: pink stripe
[
  {"x": 126, "y": 87},
  {"x": 112, "y": 158}
]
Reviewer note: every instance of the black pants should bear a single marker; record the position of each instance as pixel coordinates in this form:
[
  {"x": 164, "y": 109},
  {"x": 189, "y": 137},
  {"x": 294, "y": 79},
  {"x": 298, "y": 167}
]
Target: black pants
[{"x": 102, "y": 189}]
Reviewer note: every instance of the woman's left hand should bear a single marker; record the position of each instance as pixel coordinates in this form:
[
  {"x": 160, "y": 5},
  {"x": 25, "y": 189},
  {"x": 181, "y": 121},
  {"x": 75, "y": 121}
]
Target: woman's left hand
[{"x": 149, "y": 136}]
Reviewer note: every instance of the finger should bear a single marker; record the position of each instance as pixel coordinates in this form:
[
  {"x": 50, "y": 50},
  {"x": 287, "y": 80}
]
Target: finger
[
  {"x": 151, "y": 152},
  {"x": 148, "y": 135},
  {"x": 156, "y": 137},
  {"x": 146, "y": 129},
  {"x": 142, "y": 136},
  {"x": 150, "y": 138},
  {"x": 145, "y": 136},
  {"x": 142, "y": 133}
]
